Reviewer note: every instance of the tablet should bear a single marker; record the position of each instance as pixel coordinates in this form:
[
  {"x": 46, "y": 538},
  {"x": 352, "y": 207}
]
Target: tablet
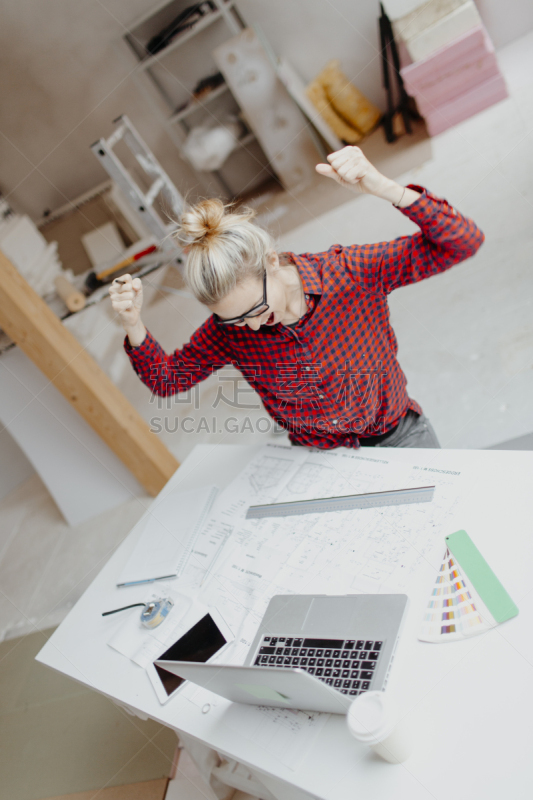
[{"x": 200, "y": 643}]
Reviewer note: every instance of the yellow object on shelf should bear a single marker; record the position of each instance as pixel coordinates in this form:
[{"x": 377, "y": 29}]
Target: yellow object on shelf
[
  {"x": 317, "y": 95},
  {"x": 348, "y": 112}
]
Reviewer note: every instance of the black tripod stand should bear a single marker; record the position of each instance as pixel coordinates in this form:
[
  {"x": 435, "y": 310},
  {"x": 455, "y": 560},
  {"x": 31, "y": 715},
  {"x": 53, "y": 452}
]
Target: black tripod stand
[{"x": 397, "y": 119}]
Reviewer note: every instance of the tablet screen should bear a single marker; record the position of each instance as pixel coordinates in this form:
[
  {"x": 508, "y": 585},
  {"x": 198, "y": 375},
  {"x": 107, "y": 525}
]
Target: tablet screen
[{"x": 201, "y": 642}]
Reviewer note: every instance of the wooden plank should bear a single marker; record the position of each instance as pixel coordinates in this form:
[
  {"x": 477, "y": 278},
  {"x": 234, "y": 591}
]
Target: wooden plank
[
  {"x": 26, "y": 318},
  {"x": 269, "y": 110},
  {"x": 296, "y": 88}
]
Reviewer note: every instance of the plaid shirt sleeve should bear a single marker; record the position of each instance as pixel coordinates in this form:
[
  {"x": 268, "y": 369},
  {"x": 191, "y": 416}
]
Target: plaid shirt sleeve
[
  {"x": 445, "y": 238},
  {"x": 167, "y": 374}
]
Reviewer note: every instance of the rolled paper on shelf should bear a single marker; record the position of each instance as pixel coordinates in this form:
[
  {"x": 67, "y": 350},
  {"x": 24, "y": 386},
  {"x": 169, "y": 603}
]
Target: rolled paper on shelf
[{"x": 73, "y": 299}]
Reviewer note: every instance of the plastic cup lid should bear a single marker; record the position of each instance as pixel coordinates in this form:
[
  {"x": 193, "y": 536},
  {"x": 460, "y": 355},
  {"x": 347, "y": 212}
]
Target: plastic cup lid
[{"x": 371, "y": 717}]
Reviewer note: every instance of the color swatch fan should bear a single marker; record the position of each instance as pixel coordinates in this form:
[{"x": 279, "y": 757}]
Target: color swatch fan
[
  {"x": 467, "y": 597},
  {"x": 451, "y": 612}
]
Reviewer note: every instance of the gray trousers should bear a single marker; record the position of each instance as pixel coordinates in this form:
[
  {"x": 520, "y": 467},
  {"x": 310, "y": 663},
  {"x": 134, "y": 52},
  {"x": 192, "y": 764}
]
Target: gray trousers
[{"x": 412, "y": 431}]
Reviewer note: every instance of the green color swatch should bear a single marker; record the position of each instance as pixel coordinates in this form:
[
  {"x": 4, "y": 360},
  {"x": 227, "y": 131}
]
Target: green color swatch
[{"x": 481, "y": 576}]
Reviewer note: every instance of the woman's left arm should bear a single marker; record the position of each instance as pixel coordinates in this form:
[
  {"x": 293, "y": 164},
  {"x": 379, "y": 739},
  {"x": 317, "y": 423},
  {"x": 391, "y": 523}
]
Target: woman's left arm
[{"x": 445, "y": 239}]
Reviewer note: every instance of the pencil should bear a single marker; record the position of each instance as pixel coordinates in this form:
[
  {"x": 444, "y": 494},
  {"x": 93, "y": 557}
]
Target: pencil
[{"x": 146, "y": 580}]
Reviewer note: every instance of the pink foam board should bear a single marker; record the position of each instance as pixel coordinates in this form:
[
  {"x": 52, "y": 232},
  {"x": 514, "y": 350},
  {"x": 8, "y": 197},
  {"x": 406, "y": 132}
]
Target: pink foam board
[
  {"x": 466, "y": 48},
  {"x": 466, "y": 105},
  {"x": 456, "y": 83}
]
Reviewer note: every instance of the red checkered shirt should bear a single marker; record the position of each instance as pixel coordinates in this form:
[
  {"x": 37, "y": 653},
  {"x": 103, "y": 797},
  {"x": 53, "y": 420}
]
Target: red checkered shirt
[{"x": 333, "y": 376}]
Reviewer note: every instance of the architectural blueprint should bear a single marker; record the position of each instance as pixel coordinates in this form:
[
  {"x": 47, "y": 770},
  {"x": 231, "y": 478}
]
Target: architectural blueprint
[
  {"x": 362, "y": 550},
  {"x": 285, "y": 732}
]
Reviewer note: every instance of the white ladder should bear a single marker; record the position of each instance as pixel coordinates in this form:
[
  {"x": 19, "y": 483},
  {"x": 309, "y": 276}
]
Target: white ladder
[{"x": 141, "y": 202}]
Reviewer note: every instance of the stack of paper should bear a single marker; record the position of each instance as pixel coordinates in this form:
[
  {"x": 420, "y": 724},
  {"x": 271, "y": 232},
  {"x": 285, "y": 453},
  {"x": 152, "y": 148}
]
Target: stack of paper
[{"x": 171, "y": 529}]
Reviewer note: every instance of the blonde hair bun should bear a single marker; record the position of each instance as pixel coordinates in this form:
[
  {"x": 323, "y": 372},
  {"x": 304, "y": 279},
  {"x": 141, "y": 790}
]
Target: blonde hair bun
[
  {"x": 223, "y": 246},
  {"x": 201, "y": 222}
]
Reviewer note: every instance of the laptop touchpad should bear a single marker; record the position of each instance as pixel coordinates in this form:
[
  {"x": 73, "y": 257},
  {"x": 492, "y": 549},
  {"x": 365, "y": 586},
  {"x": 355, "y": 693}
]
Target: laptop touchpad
[{"x": 328, "y": 613}]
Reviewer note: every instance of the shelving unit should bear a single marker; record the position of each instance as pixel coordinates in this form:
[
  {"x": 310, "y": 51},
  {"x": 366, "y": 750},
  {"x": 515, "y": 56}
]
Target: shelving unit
[
  {"x": 181, "y": 38},
  {"x": 195, "y": 105},
  {"x": 172, "y": 74}
]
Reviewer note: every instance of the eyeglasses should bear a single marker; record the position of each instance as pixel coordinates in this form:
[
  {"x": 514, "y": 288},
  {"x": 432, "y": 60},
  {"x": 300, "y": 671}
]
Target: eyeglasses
[{"x": 256, "y": 311}]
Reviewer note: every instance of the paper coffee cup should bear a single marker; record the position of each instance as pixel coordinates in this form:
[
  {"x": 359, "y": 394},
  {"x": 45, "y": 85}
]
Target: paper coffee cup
[{"x": 373, "y": 719}]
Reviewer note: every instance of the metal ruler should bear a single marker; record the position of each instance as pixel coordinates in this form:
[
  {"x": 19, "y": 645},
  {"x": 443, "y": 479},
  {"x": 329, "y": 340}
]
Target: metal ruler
[{"x": 395, "y": 497}]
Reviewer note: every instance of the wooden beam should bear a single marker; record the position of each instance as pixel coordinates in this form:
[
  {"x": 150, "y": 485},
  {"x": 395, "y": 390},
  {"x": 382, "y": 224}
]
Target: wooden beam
[{"x": 27, "y": 319}]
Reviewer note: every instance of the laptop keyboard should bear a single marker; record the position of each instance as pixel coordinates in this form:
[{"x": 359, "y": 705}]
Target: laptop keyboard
[{"x": 346, "y": 664}]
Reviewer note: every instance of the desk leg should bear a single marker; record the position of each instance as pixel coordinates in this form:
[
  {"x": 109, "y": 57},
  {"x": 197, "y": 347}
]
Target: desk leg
[
  {"x": 227, "y": 778},
  {"x": 205, "y": 760},
  {"x": 224, "y": 778}
]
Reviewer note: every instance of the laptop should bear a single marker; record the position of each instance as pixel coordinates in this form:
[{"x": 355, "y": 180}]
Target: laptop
[{"x": 311, "y": 652}]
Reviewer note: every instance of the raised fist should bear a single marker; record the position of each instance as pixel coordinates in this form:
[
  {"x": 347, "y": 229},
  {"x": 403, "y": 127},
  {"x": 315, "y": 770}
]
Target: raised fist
[
  {"x": 350, "y": 167},
  {"x": 127, "y": 298}
]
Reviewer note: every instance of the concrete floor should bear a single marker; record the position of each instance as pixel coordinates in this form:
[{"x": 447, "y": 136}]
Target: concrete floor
[
  {"x": 58, "y": 736},
  {"x": 465, "y": 337}
]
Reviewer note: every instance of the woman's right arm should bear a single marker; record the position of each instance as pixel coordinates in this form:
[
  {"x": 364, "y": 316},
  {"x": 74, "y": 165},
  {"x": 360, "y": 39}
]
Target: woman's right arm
[
  {"x": 165, "y": 374},
  {"x": 127, "y": 298}
]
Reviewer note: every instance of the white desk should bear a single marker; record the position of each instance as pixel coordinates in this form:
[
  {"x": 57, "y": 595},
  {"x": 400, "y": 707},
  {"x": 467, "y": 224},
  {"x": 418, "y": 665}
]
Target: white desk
[{"x": 472, "y": 699}]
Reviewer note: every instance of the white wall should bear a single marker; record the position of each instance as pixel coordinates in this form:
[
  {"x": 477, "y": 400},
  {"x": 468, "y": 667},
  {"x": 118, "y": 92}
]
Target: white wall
[
  {"x": 310, "y": 32},
  {"x": 506, "y": 20},
  {"x": 65, "y": 77},
  {"x": 14, "y": 466}
]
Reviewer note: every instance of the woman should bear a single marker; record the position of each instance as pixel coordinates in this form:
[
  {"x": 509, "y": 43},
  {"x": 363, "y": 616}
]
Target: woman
[{"x": 310, "y": 332}]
